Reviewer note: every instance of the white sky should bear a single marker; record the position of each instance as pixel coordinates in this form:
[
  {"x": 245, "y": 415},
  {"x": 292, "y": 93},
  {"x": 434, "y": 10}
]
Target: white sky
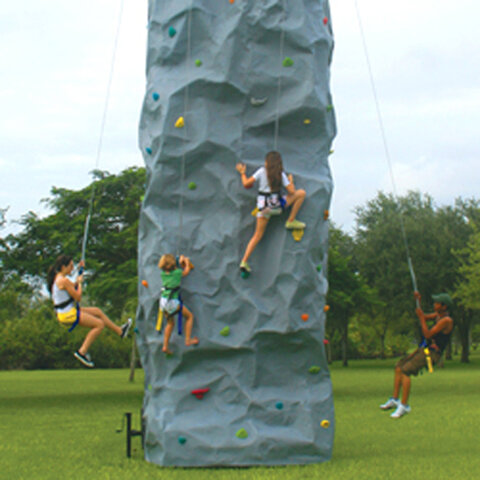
[{"x": 55, "y": 58}]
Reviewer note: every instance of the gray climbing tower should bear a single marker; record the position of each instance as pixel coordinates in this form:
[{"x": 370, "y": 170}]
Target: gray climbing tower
[{"x": 231, "y": 70}]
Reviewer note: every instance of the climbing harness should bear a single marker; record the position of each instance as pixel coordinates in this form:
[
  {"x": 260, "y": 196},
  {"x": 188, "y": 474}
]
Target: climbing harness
[
  {"x": 65, "y": 304},
  {"x": 273, "y": 202},
  {"x": 161, "y": 312}
]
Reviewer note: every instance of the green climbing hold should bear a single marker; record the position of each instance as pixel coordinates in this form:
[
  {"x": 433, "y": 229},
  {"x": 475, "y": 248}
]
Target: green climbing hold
[
  {"x": 329, "y": 108},
  {"x": 225, "y": 331},
  {"x": 192, "y": 185},
  {"x": 244, "y": 274},
  {"x": 172, "y": 32},
  {"x": 182, "y": 440},
  {"x": 142, "y": 198},
  {"x": 287, "y": 62},
  {"x": 149, "y": 387},
  {"x": 279, "y": 406},
  {"x": 331, "y": 152},
  {"x": 242, "y": 433},
  {"x": 319, "y": 268},
  {"x": 198, "y": 62},
  {"x": 314, "y": 369}
]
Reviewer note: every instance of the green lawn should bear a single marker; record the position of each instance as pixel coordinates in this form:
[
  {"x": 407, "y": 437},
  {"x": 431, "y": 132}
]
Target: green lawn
[{"x": 61, "y": 425}]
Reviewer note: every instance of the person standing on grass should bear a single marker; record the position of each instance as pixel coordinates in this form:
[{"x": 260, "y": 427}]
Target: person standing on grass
[
  {"x": 437, "y": 339},
  {"x": 66, "y": 296}
]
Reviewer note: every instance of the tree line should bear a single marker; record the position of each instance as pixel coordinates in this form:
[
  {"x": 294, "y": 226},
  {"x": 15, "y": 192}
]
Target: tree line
[{"x": 370, "y": 290}]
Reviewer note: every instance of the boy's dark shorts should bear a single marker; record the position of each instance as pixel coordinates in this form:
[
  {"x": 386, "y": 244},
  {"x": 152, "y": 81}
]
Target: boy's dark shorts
[{"x": 413, "y": 363}]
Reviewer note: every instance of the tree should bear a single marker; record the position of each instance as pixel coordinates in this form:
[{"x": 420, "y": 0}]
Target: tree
[{"x": 112, "y": 241}]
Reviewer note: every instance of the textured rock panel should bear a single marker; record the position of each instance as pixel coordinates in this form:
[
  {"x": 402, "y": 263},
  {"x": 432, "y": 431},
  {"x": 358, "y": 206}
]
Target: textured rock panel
[{"x": 218, "y": 65}]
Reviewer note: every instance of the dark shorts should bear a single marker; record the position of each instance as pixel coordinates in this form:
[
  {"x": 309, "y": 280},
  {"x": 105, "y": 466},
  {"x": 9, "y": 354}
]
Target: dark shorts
[{"x": 413, "y": 363}]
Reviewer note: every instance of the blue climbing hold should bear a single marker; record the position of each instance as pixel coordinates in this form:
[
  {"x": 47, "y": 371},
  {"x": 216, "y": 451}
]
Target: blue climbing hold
[
  {"x": 172, "y": 32},
  {"x": 279, "y": 406},
  {"x": 149, "y": 150},
  {"x": 155, "y": 96},
  {"x": 182, "y": 440}
]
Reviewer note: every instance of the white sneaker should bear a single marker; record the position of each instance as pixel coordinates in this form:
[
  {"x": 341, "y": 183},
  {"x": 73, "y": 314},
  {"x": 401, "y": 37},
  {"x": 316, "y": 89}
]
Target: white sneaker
[
  {"x": 401, "y": 411},
  {"x": 390, "y": 403},
  {"x": 125, "y": 328}
]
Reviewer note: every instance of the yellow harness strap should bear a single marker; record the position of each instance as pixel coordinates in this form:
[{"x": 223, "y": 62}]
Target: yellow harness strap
[{"x": 426, "y": 350}]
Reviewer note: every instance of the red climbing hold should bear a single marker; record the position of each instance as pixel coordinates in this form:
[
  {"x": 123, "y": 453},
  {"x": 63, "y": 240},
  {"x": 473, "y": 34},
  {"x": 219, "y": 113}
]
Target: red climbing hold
[
  {"x": 304, "y": 317},
  {"x": 325, "y": 342},
  {"x": 325, "y": 20},
  {"x": 200, "y": 392}
]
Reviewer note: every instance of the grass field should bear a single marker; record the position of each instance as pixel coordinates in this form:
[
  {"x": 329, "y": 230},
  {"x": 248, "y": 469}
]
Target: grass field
[{"x": 61, "y": 425}]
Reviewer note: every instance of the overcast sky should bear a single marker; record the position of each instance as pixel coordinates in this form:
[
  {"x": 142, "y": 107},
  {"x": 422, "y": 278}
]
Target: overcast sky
[{"x": 55, "y": 58}]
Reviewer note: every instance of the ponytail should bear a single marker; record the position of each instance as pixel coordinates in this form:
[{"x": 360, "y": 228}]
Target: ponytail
[
  {"x": 61, "y": 261},
  {"x": 274, "y": 167}
]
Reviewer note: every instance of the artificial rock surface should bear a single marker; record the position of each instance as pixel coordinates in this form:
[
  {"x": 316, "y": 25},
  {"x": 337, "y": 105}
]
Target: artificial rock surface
[{"x": 223, "y": 72}]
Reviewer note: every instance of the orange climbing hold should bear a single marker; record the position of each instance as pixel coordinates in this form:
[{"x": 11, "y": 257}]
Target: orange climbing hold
[
  {"x": 326, "y": 214},
  {"x": 326, "y": 308},
  {"x": 305, "y": 317},
  {"x": 145, "y": 283},
  {"x": 200, "y": 392},
  {"x": 232, "y": 1}
]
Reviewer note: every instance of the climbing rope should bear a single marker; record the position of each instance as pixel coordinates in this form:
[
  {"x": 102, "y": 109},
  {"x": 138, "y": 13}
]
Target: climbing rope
[
  {"x": 279, "y": 82},
  {"x": 385, "y": 146},
  {"x": 185, "y": 131},
  {"x": 102, "y": 130}
]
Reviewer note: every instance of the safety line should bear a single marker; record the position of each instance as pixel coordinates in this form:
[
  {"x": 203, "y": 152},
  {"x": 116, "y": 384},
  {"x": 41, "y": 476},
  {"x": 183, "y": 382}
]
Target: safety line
[
  {"x": 102, "y": 131},
  {"x": 279, "y": 83},
  {"x": 385, "y": 145},
  {"x": 185, "y": 131}
]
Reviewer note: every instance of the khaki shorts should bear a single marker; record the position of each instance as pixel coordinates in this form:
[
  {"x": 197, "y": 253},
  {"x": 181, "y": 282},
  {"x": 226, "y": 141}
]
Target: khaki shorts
[{"x": 413, "y": 363}]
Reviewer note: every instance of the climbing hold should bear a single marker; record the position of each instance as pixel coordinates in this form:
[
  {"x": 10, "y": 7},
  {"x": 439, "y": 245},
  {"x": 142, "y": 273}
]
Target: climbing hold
[
  {"x": 172, "y": 32},
  {"x": 287, "y": 62},
  {"x": 225, "y": 331},
  {"x": 324, "y": 423},
  {"x": 329, "y": 108},
  {"x": 258, "y": 102},
  {"x": 200, "y": 392},
  {"x": 307, "y": 121},
  {"x": 297, "y": 234},
  {"x": 136, "y": 330},
  {"x": 158, "y": 327},
  {"x": 198, "y": 62},
  {"x": 149, "y": 387},
  {"x": 325, "y": 341},
  {"x": 192, "y": 185},
  {"x": 331, "y": 152},
  {"x": 326, "y": 308},
  {"x": 142, "y": 198},
  {"x": 279, "y": 406},
  {"x": 325, "y": 20},
  {"x": 145, "y": 283},
  {"x": 242, "y": 433},
  {"x": 149, "y": 150},
  {"x": 155, "y": 96},
  {"x": 319, "y": 268},
  {"x": 304, "y": 316},
  {"x": 326, "y": 214},
  {"x": 255, "y": 211},
  {"x": 180, "y": 123},
  {"x": 232, "y": 1},
  {"x": 314, "y": 369},
  {"x": 182, "y": 440},
  {"x": 244, "y": 274}
]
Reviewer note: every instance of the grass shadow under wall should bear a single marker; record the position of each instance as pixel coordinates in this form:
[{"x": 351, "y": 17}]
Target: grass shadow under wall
[{"x": 61, "y": 424}]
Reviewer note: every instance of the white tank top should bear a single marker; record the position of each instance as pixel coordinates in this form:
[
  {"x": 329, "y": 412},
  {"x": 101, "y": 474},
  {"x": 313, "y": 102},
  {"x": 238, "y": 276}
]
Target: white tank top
[{"x": 59, "y": 296}]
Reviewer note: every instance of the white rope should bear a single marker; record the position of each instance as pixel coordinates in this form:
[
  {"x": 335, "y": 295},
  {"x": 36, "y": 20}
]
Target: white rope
[
  {"x": 185, "y": 127},
  {"x": 279, "y": 82},
  {"x": 385, "y": 146},
  {"x": 102, "y": 130}
]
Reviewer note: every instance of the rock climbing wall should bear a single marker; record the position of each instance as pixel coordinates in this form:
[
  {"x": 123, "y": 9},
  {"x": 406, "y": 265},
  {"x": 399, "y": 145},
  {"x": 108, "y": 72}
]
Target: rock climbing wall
[{"x": 221, "y": 76}]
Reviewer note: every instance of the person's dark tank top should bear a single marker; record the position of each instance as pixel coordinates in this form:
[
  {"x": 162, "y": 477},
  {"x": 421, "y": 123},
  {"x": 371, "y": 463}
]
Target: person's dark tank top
[{"x": 441, "y": 340}]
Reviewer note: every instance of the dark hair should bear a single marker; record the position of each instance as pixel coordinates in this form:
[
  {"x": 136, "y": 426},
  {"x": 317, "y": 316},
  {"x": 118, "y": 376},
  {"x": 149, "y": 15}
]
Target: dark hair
[
  {"x": 274, "y": 167},
  {"x": 61, "y": 261}
]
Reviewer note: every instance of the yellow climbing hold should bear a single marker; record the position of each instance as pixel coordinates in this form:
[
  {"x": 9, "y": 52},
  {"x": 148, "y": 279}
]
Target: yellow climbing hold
[
  {"x": 242, "y": 433},
  {"x": 307, "y": 121},
  {"x": 324, "y": 423},
  {"x": 180, "y": 123},
  {"x": 297, "y": 234},
  {"x": 314, "y": 369},
  {"x": 254, "y": 212}
]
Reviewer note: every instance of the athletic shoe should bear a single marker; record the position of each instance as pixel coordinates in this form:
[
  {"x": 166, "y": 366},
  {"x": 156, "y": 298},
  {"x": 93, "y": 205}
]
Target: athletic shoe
[
  {"x": 244, "y": 266},
  {"x": 401, "y": 411},
  {"x": 390, "y": 403},
  {"x": 295, "y": 225},
  {"x": 126, "y": 327},
  {"x": 85, "y": 359}
]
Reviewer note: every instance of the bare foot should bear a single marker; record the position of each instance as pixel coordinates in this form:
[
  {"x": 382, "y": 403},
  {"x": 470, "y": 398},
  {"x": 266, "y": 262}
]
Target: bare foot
[
  {"x": 193, "y": 341},
  {"x": 167, "y": 351}
]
